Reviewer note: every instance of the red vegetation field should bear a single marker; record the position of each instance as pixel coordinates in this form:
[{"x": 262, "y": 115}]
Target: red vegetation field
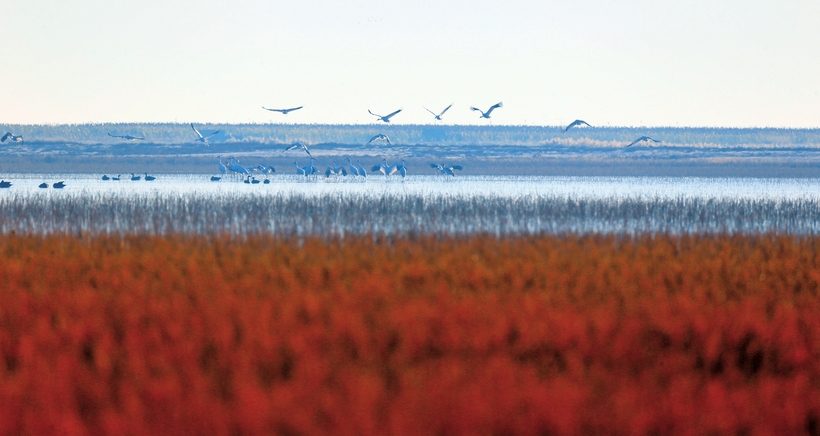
[{"x": 535, "y": 335}]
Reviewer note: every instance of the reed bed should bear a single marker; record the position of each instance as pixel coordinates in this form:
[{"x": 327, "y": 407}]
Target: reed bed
[
  {"x": 422, "y": 335},
  {"x": 343, "y": 214}
]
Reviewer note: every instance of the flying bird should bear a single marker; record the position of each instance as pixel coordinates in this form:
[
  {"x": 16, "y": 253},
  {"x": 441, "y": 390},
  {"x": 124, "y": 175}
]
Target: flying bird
[
  {"x": 382, "y": 137},
  {"x": 283, "y": 111},
  {"x": 438, "y": 117},
  {"x": 15, "y": 138},
  {"x": 128, "y": 137},
  {"x": 489, "y": 111},
  {"x": 642, "y": 139},
  {"x": 385, "y": 118},
  {"x": 447, "y": 170},
  {"x": 576, "y": 123},
  {"x": 299, "y": 145},
  {"x": 203, "y": 139}
]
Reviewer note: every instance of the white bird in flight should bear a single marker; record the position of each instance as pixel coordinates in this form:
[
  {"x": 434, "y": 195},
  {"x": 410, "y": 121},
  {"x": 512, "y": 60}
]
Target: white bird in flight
[
  {"x": 128, "y": 137},
  {"x": 489, "y": 111},
  {"x": 438, "y": 117},
  {"x": 203, "y": 139},
  {"x": 448, "y": 170},
  {"x": 15, "y": 138},
  {"x": 299, "y": 145},
  {"x": 283, "y": 111},
  {"x": 385, "y": 118},
  {"x": 642, "y": 139},
  {"x": 576, "y": 123},
  {"x": 382, "y": 137}
]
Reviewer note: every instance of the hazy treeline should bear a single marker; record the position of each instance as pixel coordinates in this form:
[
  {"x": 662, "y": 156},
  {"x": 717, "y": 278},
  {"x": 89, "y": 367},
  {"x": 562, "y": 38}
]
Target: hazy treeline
[
  {"x": 331, "y": 214},
  {"x": 175, "y": 133}
]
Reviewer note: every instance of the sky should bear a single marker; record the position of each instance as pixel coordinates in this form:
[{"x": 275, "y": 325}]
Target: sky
[{"x": 727, "y": 63}]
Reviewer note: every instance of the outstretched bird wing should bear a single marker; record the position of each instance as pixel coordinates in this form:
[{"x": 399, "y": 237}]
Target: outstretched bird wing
[
  {"x": 272, "y": 110},
  {"x": 445, "y": 109},
  {"x": 197, "y": 131},
  {"x": 211, "y": 134},
  {"x": 294, "y": 109},
  {"x": 374, "y": 138},
  {"x": 388, "y": 116},
  {"x": 494, "y": 107},
  {"x": 457, "y": 167},
  {"x": 6, "y": 136},
  {"x": 428, "y": 110},
  {"x": 371, "y": 113},
  {"x": 436, "y": 166}
]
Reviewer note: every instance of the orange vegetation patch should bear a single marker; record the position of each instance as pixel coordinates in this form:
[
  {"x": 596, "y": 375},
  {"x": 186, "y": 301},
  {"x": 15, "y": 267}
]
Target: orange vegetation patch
[{"x": 479, "y": 335}]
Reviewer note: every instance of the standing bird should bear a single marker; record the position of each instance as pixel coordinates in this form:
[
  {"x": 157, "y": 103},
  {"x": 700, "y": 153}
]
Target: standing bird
[
  {"x": 299, "y": 170},
  {"x": 310, "y": 169},
  {"x": 400, "y": 168},
  {"x": 642, "y": 139},
  {"x": 299, "y": 145},
  {"x": 15, "y": 138},
  {"x": 448, "y": 170},
  {"x": 353, "y": 171},
  {"x": 382, "y": 137},
  {"x": 385, "y": 118},
  {"x": 576, "y": 123},
  {"x": 362, "y": 171},
  {"x": 382, "y": 168},
  {"x": 203, "y": 139},
  {"x": 128, "y": 137},
  {"x": 222, "y": 168},
  {"x": 283, "y": 111},
  {"x": 489, "y": 111},
  {"x": 438, "y": 117}
]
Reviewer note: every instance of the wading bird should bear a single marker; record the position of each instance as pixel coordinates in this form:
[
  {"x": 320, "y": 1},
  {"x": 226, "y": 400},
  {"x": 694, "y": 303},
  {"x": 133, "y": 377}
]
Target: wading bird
[
  {"x": 335, "y": 171},
  {"x": 222, "y": 168},
  {"x": 438, "y": 117},
  {"x": 382, "y": 168},
  {"x": 385, "y": 118},
  {"x": 299, "y": 170},
  {"x": 15, "y": 138},
  {"x": 283, "y": 111},
  {"x": 489, "y": 111},
  {"x": 400, "y": 168},
  {"x": 299, "y": 145},
  {"x": 362, "y": 171},
  {"x": 235, "y": 167},
  {"x": 203, "y": 139},
  {"x": 128, "y": 137},
  {"x": 353, "y": 171},
  {"x": 447, "y": 170},
  {"x": 576, "y": 123},
  {"x": 380, "y": 137},
  {"x": 642, "y": 139},
  {"x": 310, "y": 169}
]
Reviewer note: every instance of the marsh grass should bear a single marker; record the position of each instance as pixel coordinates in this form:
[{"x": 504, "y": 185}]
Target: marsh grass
[{"x": 340, "y": 214}]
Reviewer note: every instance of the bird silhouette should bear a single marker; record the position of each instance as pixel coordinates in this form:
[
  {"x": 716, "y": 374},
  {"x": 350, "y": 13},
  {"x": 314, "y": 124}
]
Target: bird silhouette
[
  {"x": 576, "y": 123},
  {"x": 642, "y": 139},
  {"x": 382, "y": 137},
  {"x": 385, "y": 118},
  {"x": 203, "y": 139},
  {"x": 489, "y": 111},
  {"x": 283, "y": 111},
  {"x": 438, "y": 117}
]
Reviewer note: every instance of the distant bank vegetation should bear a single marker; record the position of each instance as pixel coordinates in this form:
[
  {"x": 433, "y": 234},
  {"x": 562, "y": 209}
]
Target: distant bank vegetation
[{"x": 176, "y": 133}]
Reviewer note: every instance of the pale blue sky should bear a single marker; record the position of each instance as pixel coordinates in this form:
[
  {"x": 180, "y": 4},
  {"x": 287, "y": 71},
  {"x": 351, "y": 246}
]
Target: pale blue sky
[{"x": 611, "y": 62}]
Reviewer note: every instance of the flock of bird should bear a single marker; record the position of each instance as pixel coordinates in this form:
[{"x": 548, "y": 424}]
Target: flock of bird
[{"x": 310, "y": 169}]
